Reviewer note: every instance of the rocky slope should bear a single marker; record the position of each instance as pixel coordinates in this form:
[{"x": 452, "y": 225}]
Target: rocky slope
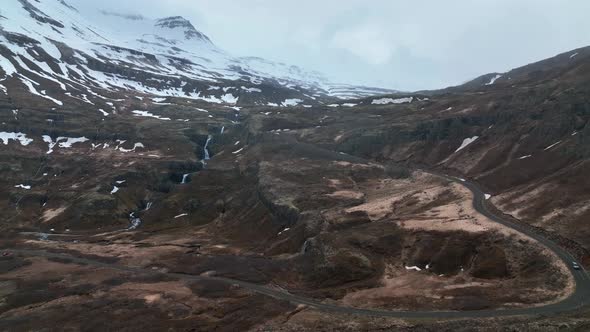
[
  {"x": 152, "y": 148},
  {"x": 523, "y": 134}
]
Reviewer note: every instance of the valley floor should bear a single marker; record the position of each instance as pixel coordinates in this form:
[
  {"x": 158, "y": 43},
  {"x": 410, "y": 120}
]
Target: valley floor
[{"x": 368, "y": 217}]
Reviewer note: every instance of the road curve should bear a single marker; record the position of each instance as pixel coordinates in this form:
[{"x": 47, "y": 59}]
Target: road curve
[{"x": 575, "y": 301}]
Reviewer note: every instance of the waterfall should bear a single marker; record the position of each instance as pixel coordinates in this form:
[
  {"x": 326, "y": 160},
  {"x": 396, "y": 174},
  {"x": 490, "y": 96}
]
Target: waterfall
[
  {"x": 305, "y": 246},
  {"x": 135, "y": 221},
  {"x": 222, "y": 129},
  {"x": 205, "y": 151},
  {"x": 184, "y": 177}
]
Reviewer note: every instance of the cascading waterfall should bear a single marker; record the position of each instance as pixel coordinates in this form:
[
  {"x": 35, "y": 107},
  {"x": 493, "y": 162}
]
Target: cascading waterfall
[
  {"x": 205, "y": 151},
  {"x": 304, "y": 247},
  {"x": 135, "y": 221},
  {"x": 184, "y": 177}
]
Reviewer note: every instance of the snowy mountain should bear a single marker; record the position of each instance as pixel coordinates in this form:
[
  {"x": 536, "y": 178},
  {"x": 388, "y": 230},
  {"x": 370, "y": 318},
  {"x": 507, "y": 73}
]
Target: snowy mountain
[{"x": 52, "y": 48}]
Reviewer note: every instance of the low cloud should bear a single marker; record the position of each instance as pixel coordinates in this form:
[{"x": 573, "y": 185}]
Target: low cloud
[
  {"x": 369, "y": 42},
  {"x": 404, "y": 45}
]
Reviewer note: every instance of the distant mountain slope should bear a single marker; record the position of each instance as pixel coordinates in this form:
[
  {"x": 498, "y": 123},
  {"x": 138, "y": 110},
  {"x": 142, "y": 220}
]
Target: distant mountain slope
[
  {"x": 53, "y": 46},
  {"x": 523, "y": 134},
  {"x": 546, "y": 69}
]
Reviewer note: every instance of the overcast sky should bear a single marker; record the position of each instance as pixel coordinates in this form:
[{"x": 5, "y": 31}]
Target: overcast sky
[{"x": 406, "y": 45}]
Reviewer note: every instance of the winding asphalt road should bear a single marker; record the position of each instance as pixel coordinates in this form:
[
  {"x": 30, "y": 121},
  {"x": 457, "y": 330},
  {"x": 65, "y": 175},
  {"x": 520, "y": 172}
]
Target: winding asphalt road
[{"x": 575, "y": 301}]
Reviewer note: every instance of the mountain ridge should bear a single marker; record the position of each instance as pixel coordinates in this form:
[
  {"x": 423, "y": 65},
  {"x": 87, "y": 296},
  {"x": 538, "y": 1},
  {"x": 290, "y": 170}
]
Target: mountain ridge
[
  {"x": 130, "y": 145},
  {"x": 169, "y": 47}
]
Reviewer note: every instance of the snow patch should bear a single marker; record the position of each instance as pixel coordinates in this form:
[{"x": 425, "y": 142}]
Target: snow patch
[
  {"x": 6, "y": 65},
  {"x": 69, "y": 141},
  {"x": 227, "y": 98},
  {"x": 148, "y": 115},
  {"x": 552, "y": 145},
  {"x": 23, "y": 186},
  {"x": 251, "y": 89},
  {"x": 31, "y": 85},
  {"x": 493, "y": 79},
  {"x": 135, "y": 146},
  {"x": 466, "y": 142},
  {"x": 22, "y": 138},
  {"x": 413, "y": 268},
  {"x": 385, "y": 101},
  {"x": 62, "y": 142},
  {"x": 291, "y": 102}
]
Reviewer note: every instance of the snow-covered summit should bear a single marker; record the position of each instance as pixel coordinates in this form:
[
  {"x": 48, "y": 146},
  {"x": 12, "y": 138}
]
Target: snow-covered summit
[
  {"x": 52, "y": 42},
  {"x": 179, "y": 23}
]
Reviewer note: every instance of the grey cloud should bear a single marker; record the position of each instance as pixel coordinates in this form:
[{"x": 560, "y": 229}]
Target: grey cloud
[{"x": 397, "y": 44}]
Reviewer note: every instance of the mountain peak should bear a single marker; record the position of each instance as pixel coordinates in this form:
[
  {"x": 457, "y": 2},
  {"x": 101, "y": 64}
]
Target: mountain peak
[{"x": 181, "y": 23}]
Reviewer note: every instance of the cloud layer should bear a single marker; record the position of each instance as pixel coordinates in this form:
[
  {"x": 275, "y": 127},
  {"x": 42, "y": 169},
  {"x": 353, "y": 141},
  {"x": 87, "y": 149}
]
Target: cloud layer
[{"x": 398, "y": 44}]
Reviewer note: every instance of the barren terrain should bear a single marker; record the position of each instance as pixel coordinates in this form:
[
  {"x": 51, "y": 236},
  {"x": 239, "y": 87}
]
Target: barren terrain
[{"x": 228, "y": 198}]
